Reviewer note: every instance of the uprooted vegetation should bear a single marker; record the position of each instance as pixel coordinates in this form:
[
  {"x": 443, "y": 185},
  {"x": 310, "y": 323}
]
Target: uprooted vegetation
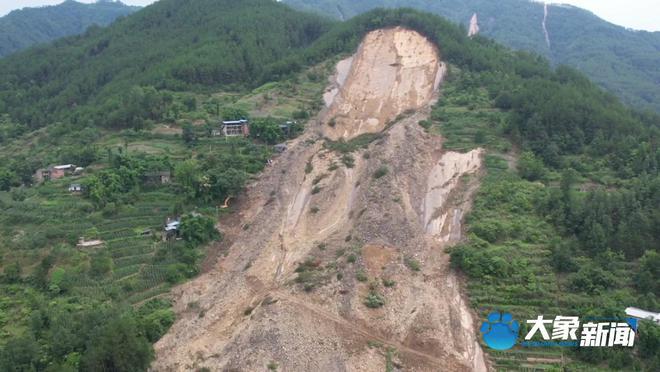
[{"x": 354, "y": 144}]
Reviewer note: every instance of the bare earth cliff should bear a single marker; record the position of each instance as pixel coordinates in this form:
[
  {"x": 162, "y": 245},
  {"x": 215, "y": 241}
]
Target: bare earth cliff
[{"x": 346, "y": 224}]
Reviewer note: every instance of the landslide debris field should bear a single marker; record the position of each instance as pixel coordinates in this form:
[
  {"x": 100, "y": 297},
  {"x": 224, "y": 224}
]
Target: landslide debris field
[{"x": 337, "y": 259}]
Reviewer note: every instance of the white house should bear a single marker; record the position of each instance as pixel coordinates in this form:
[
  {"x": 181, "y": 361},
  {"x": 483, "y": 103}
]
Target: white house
[{"x": 643, "y": 314}]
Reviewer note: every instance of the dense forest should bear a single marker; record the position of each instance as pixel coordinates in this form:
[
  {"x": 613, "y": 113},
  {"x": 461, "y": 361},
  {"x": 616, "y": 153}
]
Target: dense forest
[
  {"x": 587, "y": 186},
  {"x": 21, "y": 29},
  {"x": 622, "y": 61},
  {"x": 99, "y": 77}
]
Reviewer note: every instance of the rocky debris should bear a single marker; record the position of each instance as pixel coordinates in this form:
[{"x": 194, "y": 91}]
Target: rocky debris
[
  {"x": 328, "y": 229},
  {"x": 393, "y": 71},
  {"x": 474, "y": 25},
  {"x": 544, "y": 24}
]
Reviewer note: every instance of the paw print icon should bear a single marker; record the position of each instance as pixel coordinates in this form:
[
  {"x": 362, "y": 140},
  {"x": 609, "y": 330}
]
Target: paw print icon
[{"x": 500, "y": 331}]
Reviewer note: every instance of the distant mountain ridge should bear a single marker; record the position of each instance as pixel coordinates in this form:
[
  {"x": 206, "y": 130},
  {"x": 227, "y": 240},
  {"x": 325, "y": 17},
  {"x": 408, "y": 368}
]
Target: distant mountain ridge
[
  {"x": 23, "y": 28},
  {"x": 623, "y": 61}
]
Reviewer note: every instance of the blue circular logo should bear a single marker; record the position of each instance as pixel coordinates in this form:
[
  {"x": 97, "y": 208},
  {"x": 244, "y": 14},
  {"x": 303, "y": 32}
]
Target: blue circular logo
[{"x": 500, "y": 331}]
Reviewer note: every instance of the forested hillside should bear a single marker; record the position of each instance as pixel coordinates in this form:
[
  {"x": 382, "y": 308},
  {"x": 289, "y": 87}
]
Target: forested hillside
[
  {"x": 566, "y": 221},
  {"x": 620, "y": 60},
  {"x": 23, "y": 28},
  {"x": 86, "y": 274},
  {"x": 89, "y": 78}
]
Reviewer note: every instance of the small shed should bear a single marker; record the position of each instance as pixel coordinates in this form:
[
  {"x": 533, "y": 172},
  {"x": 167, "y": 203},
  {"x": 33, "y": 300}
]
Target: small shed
[
  {"x": 42, "y": 175},
  {"x": 156, "y": 178},
  {"x": 287, "y": 127},
  {"x": 75, "y": 188},
  {"x": 280, "y": 147},
  {"x": 171, "y": 228}
]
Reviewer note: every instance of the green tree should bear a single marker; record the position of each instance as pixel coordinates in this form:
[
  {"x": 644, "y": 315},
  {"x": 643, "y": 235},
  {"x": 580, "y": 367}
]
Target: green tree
[
  {"x": 647, "y": 279},
  {"x": 6, "y": 180},
  {"x": 12, "y": 272},
  {"x": 266, "y": 130},
  {"x": 20, "y": 354},
  {"x": 120, "y": 347},
  {"x": 649, "y": 339},
  {"x": 101, "y": 264},
  {"x": 530, "y": 168},
  {"x": 233, "y": 113},
  {"x": 187, "y": 174},
  {"x": 198, "y": 229},
  {"x": 188, "y": 134}
]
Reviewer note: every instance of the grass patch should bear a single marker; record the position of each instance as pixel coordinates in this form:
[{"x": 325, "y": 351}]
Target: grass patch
[{"x": 360, "y": 142}]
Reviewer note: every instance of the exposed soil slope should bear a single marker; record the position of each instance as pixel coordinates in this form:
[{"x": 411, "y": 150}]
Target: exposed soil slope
[
  {"x": 394, "y": 71},
  {"x": 347, "y": 224}
]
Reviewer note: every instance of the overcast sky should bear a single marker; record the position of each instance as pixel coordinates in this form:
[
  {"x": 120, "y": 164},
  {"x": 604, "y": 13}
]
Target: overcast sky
[{"x": 637, "y": 14}]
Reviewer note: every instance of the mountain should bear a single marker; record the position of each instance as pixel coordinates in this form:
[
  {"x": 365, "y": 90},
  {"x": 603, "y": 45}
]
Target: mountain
[
  {"x": 621, "y": 60},
  {"x": 90, "y": 76},
  {"x": 21, "y": 29}
]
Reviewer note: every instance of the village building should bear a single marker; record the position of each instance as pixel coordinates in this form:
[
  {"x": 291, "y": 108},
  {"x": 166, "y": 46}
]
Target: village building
[
  {"x": 95, "y": 243},
  {"x": 287, "y": 128},
  {"x": 158, "y": 178},
  {"x": 60, "y": 171},
  {"x": 236, "y": 128},
  {"x": 54, "y": 172},
  {"x": 171, "y": 229},
  {"x": 643, "y": 314}
]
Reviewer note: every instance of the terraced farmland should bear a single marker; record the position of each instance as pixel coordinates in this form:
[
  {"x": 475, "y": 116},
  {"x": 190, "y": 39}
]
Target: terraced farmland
[{"x": 50, "y": 214}]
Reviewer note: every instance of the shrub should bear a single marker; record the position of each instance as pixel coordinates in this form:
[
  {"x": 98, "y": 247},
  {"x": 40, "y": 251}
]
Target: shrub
[
  {"x": 389, "y": 283},
  {"x": 479, "y": 262},
  {"x": 361, "y": 276},
  {"x": 319, "y": 178},
  {"x": 530, "y": 167},
  {"x": 348, "y": 160},
  {"x": 647, "y": 279},
  {"x": 649, "y": 339},
  {"x": 592, "y": 279},
  {"x": 412, "y": 264},
  {"x": 198, "y": 229},
  {"x": 381, "y": 171},
  {"x": 374, "y": 300},
  {"x": 426, "y": 124}
]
